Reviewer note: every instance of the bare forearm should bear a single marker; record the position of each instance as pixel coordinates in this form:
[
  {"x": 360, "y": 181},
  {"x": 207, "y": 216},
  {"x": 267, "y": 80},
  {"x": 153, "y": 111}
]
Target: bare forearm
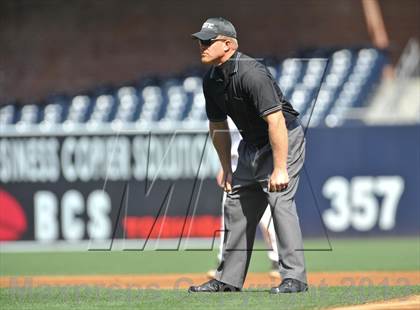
[
  {"x": 277, "y": 132},
  {"x": 219, "y": 132}
]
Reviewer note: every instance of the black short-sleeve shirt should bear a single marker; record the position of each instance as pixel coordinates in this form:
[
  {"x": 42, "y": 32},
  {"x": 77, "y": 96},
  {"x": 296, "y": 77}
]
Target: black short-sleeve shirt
[{"x": 245, "y": 90}]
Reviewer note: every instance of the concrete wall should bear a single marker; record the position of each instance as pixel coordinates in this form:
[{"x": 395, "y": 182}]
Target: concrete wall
[{"x": 68, "y": 46}]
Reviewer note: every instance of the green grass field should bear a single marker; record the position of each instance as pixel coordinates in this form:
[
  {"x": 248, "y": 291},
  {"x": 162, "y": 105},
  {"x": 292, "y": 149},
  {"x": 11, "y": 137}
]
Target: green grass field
[
  {"x": 94, "y": 298},
  {"x": 394, "y": 254},
  {"x": 346, "y": 255}
]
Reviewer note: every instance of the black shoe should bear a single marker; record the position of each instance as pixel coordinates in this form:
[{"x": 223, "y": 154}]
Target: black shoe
[
  {"x": 213, "y": 286},
  {"x": 290, "y": 286}
]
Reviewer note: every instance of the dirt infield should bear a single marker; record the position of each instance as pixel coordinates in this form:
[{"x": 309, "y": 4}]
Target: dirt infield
[
  {"x": 406, "y": 303},
  {"x": 182, "y": 281}
]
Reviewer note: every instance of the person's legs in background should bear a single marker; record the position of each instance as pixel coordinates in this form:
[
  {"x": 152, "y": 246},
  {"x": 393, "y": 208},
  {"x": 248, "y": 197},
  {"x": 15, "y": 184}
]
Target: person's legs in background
[
  {"x": 267, "y": 229},
  {"x": 212, "y": 272}
]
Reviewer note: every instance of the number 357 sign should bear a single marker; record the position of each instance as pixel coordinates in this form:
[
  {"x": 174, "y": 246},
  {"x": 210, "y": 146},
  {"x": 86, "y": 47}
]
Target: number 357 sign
[{"x": 362, "y": 202}]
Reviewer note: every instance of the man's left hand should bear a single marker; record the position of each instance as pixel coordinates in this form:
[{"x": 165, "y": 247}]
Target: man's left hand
[{"x": 279, "y": 180}]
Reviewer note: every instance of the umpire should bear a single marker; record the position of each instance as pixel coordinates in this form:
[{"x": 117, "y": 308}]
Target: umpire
[{"x": 271, "y": 155}]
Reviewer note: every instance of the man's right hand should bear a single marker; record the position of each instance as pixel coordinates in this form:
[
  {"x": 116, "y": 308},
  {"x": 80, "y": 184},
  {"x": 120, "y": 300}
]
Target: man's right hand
[{"x": 224, "y": 180}]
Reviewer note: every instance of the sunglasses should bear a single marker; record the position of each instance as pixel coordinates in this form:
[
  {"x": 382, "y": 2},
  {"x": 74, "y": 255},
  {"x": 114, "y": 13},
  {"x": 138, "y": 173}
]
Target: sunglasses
[{"x": 209, "y": 42}]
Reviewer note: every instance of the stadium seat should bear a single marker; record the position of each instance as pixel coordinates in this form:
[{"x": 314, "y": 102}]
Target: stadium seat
[
  {"x": 128, "y": 105},
  {"x": 177, "y": 100},
  {"x": 52, "y": 115},
  {"x": 7, "y": 115},
  {"x": 195, "y": 106},
  {"x": 322, "y": 84},
  {"x": 153, "y": 100},
  {"x": 29, "y": 114},
  {"x": 102, "y": 109},
  {"x": 78, "y": 110}
]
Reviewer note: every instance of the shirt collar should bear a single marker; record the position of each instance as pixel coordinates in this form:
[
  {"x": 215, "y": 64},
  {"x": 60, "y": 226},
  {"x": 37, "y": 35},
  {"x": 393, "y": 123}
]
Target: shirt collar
[{"x": 227, "y": 68}]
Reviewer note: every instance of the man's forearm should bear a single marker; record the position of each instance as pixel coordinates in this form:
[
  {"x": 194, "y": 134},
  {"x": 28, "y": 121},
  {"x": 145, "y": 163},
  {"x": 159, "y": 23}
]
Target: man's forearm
[
  {"x": 220, "y": 135},
  {"x": 278, "y": 135}
]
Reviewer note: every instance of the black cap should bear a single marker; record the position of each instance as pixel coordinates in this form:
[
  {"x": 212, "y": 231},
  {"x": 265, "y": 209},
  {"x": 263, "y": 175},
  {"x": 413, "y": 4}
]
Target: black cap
[{"x": 213, "y": 27}]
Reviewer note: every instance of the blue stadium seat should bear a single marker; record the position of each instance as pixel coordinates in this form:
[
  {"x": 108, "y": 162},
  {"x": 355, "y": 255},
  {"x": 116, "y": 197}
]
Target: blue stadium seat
[
  {"x": 128, "y": 108},
  {"x": 300, "y": 97},
  {"x": 363, "y": 75},
  {"x": 79, "y": 110},
  {"x": 322, "y": 85},
  {"x": 152, "y": 102},
  {"x": 7, "y": 115},
  {"x": 194, "y": 109},
  {"x": 102, "y": 110},
  {"x": 29, "y": 115},
  {"x": 314, "y": 71},
  {"x": 177, "y": 101},
  {"x": 198, "y": 108},
  {"x": 52, "y": 114}
]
